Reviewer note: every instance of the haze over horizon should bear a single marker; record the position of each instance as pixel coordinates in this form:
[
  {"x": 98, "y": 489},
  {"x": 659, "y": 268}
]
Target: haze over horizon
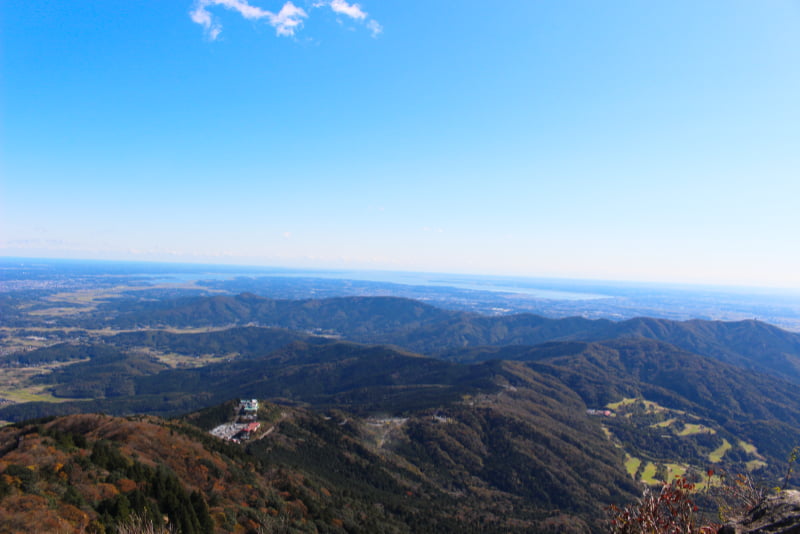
[{"x": 614, "y": 141}]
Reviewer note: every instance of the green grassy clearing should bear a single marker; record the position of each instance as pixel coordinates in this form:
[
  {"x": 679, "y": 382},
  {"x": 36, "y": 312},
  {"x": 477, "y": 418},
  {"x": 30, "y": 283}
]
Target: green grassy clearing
[
  {"x": 632, "y": 465},
  {"x": 619, "y": 404},
  {"x": 649, "y": 474},
  {"x": 32, "y": 394},
  {"x": 664, "y": 424},
  {"x": 695, "y": 428},
  {"x": 753, "y": 465},
  {"x": 748, "y": 448},
  {"x": 717, "y": 454},
  {"x": 675, "y": 470},
  {"x": 649, "y": 406},
  {"x": 16, "y": 386}
]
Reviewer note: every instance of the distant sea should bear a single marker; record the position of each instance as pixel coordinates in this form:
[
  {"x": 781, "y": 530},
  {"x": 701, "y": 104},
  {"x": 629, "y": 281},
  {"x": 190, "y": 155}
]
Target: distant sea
[{"x": 498, "y": 284}]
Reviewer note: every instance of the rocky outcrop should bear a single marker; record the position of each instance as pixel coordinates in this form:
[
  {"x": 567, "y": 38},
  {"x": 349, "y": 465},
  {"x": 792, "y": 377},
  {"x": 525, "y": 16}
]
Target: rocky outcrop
[{"x": 778, "y": 514}]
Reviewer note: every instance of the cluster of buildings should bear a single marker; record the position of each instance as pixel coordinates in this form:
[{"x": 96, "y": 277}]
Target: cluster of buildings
[
  {"x": 244, "y": 425},
  {"x": 248, "y": 409}
]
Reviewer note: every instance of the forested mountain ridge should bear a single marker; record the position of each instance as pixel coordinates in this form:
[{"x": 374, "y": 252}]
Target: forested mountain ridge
[
  {"x": 362, "y": 377},
  {"x": 603, "y": 372},
  {"x": 357, "y": 316},
  {"x": 245, "y": 342},
  {"x": 693, "y": 391},
  {"x": 720, "y": 394},
  {"x": 502, "y": 462},
  {"x": 500, "y": 420},
  {"x": 425, "y": 329}
]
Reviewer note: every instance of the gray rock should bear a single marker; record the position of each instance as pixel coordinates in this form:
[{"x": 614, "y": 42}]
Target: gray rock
[{"x": 779, "y": 514}]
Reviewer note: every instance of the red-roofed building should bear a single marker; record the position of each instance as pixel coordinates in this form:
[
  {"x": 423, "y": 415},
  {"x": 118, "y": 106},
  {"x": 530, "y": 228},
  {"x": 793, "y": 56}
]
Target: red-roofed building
[{"x": 248, "y": 430}]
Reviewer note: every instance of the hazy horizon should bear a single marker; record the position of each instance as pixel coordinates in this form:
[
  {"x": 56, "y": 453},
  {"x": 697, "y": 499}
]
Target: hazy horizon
[
  {"x": 624, "y": 141},
  {"x": 395, "y": 276}
]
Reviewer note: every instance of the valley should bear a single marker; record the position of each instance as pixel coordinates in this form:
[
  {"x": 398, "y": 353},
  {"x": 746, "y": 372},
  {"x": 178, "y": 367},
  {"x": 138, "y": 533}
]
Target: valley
[{"x": 372, "y": 409}]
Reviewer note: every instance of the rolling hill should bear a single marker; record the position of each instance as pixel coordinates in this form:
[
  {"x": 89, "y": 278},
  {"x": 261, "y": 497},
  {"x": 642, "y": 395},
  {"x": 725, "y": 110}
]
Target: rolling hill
[
  {"x": 425, "y": 329},
  {"x": 507, "y": 423},
  {"x": 524, "y": 458}
]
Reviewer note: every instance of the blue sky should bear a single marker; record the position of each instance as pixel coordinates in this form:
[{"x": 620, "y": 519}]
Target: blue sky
[{"x": 630, "y": 140}]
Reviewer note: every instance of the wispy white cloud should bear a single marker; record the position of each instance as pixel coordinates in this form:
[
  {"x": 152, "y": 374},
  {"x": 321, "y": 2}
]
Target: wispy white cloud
[
  {"x": 354, "y": 11},
  {"x": 289, "y": 18},
  {"x": 286, "y": 22},
  {"x": 351, "y": 10},
  {"x": 374, "y": 27},
  {"x": 201, "y": 16}
]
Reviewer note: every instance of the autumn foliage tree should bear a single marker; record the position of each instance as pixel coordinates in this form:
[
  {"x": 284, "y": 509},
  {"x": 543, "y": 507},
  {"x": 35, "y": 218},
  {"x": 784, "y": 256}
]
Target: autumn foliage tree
[{"x": 671, "y": 510}]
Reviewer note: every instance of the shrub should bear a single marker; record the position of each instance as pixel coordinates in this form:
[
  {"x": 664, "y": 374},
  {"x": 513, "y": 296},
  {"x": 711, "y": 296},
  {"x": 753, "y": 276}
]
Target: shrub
[
  {"x": 138, "y": 524},
  {"x": 669, "y": 511},
  {"x": 674, "y": 508}
]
